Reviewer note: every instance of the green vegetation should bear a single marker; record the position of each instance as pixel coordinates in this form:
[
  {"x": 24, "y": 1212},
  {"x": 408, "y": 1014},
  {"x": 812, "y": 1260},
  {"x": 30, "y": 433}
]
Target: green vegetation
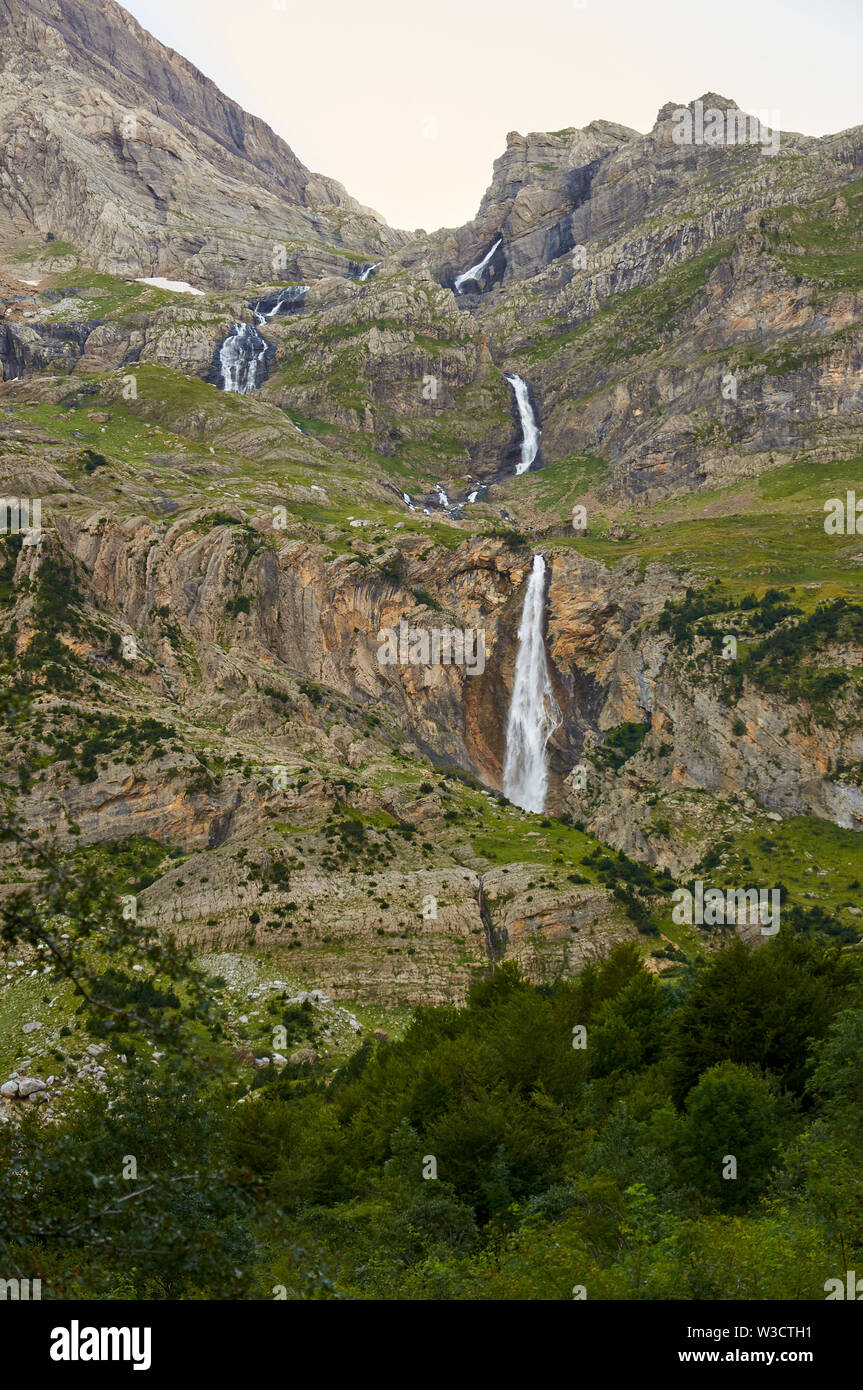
[
  {"x": 635, "y": 322},
  {"x": 822, "y": 242},
  {"x": 113, "y": 297},
  {"x": 537, "y": 1139},
  {"x": 756, "y": 534},
  {"x": 621, "y": 744},
  {"x": 544, "y": 1136},
  {"x": 602, "y": 1166},
  {"x": 787, "y": 652}
]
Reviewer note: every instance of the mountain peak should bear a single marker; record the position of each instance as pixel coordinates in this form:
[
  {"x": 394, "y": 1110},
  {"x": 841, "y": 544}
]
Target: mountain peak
[{"x": 708, "y": 101}]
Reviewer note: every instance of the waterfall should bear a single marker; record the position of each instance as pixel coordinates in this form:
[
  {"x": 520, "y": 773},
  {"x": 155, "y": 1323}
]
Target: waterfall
[
  {"x": 475, "y": 271},
  {"x": 530, "y": 430},
  {"x": 284, "y": 301},
  {"x": 534, "y": 713},
  {"x": 242, "y": 359},
  {"x": 367, "y": 271}
]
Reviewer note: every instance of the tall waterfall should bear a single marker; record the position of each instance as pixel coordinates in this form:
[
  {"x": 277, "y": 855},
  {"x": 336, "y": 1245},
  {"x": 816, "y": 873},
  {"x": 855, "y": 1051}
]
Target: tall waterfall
[
  {"x": 242, "y": 359},
  {"x": 534, "y": 713},
  {"x": 530, "y": 430},
  {"x": 475, "y": 272}
]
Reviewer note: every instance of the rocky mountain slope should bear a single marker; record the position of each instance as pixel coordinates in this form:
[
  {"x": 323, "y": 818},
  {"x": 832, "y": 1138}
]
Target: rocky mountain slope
[
  {"x": 138, "y": 157},
  {"x": 198, "y": 630}
]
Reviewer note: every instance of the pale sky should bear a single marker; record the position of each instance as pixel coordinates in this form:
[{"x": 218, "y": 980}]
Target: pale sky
[{"x": 408, "y": 102}]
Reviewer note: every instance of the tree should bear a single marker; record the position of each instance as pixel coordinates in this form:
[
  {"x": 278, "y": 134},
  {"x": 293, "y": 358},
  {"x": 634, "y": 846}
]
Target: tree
[
  {"x": 761, "y": 1007},
  {"x": 730, "y": 1140},
  {"x": 134, "y": 1194}
]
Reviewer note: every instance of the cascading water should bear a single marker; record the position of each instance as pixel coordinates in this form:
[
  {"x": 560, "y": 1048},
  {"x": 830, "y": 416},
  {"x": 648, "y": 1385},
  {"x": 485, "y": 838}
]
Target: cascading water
[
  {"x": 476, "y": 271},
  {"x": 530, "y": 430},
  {"x": 534, "y": 713},
  {"x": 367, "y": 271},
  {"x": 284, "y": 301},
  {"x": 242, "y": 360}
]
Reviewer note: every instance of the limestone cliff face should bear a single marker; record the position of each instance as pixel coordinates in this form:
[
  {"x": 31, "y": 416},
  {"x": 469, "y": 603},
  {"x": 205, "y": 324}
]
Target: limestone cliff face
[
  {"x": 396, "y": 359},
  {"x": 364, "y": 936},
  {"x": 760, "y": 752},
  {"x": 676, "y": 269},
  {"x": 538, "y": 183},
  {"x": 326, "y": 619},
  {"x": 117, "y": 144},
  {"x": 719, "y": 405},
  {"x": 314, "y": 616},
  {"x": 593, "y": 615}
]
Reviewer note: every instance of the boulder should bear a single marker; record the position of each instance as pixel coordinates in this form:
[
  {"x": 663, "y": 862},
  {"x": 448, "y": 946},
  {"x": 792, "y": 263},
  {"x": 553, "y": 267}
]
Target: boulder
[
  {"x": 30, "y": 1086},
  {"x": 303, "y": 1057}
]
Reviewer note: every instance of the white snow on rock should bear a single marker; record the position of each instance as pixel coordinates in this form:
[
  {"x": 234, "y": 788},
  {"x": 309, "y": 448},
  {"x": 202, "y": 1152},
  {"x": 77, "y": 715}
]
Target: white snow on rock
[{"x": 178, "y": 286}]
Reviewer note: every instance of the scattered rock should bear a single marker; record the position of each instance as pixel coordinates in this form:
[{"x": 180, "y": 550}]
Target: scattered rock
[{"x": 29, "y": 1086}]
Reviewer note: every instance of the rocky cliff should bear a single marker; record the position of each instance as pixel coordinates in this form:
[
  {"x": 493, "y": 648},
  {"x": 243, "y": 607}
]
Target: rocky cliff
[
  {"x": 140, "y": 158},
  {"x": 198, "y": 632}
]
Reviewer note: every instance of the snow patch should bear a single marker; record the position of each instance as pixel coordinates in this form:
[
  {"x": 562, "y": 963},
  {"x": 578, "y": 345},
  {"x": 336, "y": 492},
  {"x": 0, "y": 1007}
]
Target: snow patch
[{"x": 178, "y": 286}]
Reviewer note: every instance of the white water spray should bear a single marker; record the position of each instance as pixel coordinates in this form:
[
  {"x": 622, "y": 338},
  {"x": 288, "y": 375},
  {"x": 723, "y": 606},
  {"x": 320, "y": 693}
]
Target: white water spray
[
  {"x": 366, "y": 272},
  {"x": 475, "y": 272},
  {"x": 243, "y": 359},
  {"x": 534, "y": 713},
  {"x": 530, "y": 430}
]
